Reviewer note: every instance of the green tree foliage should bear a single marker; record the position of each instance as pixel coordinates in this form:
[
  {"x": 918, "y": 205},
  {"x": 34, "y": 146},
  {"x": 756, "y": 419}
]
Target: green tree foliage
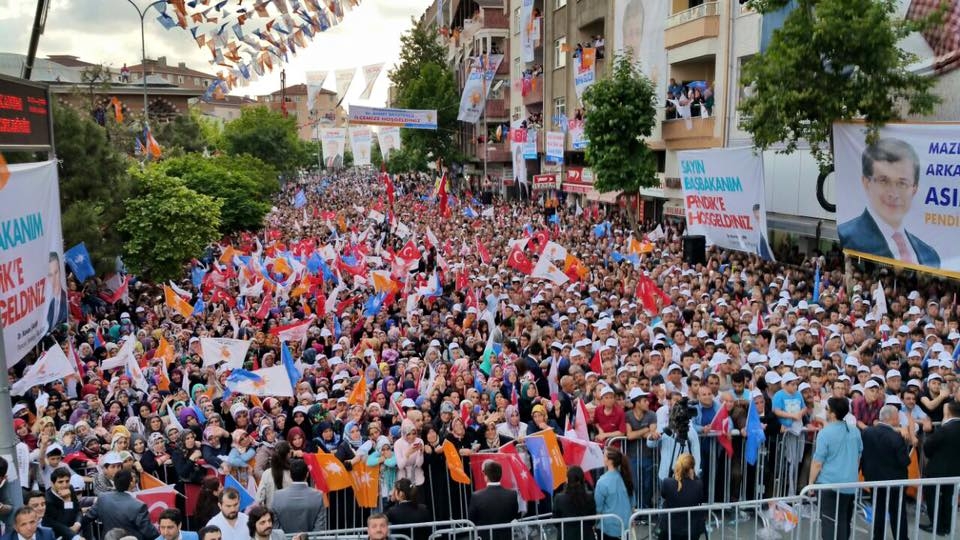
[
  {"x": 266, "y": 135},
  {"x": 166, "y": 224},
  {"x": 94, "y": 182},
  {"x": 183, "y": 132},
  {"x": 243, "y": 201},
  {"x": 423, "y": 81},
  {"x": 832, "y": 60},
  {"x": 621, "y": 111},
  {"x": 265, "y": 175}
]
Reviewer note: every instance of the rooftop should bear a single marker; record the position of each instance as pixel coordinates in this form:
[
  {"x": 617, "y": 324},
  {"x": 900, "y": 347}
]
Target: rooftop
[
  {"x": 300, "y": 90},
  {"x": 160, "y": 64}
]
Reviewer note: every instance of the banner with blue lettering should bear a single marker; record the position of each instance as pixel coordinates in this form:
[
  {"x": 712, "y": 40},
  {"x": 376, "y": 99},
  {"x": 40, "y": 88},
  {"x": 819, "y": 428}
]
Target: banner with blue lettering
[
  {"x": 33, "y": 288},
  {"x": 723, "y": 198},
  {"x": 898, "y": 199}
]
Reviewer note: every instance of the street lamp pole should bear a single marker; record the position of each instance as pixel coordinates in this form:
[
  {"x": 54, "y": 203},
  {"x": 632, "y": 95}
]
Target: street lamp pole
[{"x": 143, "y": 52}]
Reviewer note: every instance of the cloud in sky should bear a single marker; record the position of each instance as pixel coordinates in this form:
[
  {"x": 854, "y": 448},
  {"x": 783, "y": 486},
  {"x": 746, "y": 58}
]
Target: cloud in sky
[{"x": 108, "y": 32}]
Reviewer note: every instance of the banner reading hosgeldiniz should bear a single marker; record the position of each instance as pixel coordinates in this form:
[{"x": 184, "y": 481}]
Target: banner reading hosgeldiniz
[
  {"x": 407, "y": 118},
  {"x": 898, "y": 198},
  {"x": 723, "y": 198}
]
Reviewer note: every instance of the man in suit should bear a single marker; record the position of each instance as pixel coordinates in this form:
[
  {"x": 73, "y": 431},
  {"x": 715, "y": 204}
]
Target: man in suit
[
  {"x": 493, "y": 504},
  {"x": 170, "y": 522},
  {"x": 941, "y": 451},
  {"x": 26, "y": 526},
  {"x": 58, "y": 306},
  {"x": 763, "y": 247},
  {"x": 890, "y": 178},
  {"x": 119, "y": 509},
  {"x": 886, "y": 456},
  {"x": 299, "y": 507}
]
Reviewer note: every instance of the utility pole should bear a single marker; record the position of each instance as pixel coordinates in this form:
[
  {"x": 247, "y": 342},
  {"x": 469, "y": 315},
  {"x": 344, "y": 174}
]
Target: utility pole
[{"x": 143, "y": 54}]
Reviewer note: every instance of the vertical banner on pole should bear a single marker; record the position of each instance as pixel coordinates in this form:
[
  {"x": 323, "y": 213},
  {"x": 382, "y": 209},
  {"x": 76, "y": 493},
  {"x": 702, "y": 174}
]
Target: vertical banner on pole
[{"x": 33, "y": 292}]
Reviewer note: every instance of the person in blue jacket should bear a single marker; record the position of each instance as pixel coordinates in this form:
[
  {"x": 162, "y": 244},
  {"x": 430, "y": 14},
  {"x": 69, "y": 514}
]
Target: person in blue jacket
[{"x": 614, "y": 488}]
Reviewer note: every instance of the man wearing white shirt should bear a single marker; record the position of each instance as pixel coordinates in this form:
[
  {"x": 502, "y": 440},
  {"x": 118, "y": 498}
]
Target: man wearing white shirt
[
  {"x": 231, "y": 522},
  {"x": 890, "y": 179}
]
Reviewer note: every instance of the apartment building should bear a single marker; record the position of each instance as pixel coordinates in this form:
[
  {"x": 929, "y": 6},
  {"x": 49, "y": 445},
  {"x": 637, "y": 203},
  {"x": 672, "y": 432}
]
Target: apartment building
[{"x": 330, "y": 114}]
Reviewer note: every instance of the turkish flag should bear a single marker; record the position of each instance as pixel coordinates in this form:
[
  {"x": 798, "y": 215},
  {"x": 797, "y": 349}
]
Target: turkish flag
[
  {"x": 409, "y": 252},
  {"x": 539, "y": 240},
  {"x": 482, "y": 251},
  {"x": 518, "y": 261},
  {"x": 596, "y": 365},
  {"x": 463, "y": 280},
  {"x": 648, "y": 292},
  {"x": 157, "y": 500},
  {"x": 721, "y": 425}
]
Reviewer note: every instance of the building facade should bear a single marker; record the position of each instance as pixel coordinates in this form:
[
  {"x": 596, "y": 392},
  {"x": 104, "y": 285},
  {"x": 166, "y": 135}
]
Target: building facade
[{"x": 330, "y": 115}]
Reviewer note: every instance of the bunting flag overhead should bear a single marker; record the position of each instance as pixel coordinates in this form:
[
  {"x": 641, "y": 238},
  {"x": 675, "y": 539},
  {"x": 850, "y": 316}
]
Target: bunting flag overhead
[
  {"x": 315, "y": 81},
  {"x": 370, "y": 75},
  {"x": 343, "y": 77}
]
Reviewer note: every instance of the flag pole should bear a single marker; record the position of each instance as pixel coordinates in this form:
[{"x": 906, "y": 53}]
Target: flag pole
[{"x": 8, "y": 439}]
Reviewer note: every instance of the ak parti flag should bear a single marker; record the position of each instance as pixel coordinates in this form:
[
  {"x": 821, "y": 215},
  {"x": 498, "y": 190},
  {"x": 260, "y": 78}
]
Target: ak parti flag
[
  {"x": 549, "y": 467},
  {"x": 455, "y": 463},
  {"x": 148, "y": 481},
  {"x": 358, "y": 396},
  {"x": 335, "y": 475},
  {"x": 176, "y": 303},
  {"x": 366, "y": 484}
]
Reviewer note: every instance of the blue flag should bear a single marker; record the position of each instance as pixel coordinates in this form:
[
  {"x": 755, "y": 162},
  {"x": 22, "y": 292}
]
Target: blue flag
[
  {"x": 196, "y": 276},
  {"x": 78, "y": 259},
  {"x": 555, "y": 218},
  {"x": 300, "y": 200},
  {"x": 314, "y": 263},
  {"x": 755, "y": 435},
  {"x": 540, "y": 456},
  {"x": 599, "y": 230},
  {"x": 374, "y": 305},
  {"x": 816, "y": 286},
  {"x": 337, "y": 329},
  {"x": 246, "y": 499},
  {"x": 616, "y": 256},
  {"x": 470, "y": 212},
  {"x": 199, "y": 307},
  {"x": 287, "y": 359}
]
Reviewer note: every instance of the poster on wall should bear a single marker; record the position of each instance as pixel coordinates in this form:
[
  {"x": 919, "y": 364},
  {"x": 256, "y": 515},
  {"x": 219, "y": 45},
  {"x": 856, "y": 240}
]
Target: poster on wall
[
  {"x": 361, "y": 139},
  {"x": 723, "y": 198},
  {"x": 585, "y": 71},
  {"x": 578, "y": 139},
  {"x": 530, "y": 144},
  {"x": 639, "y": 27},
  {"x": 33, "y": 289},
  {"x": 332, "y": 142},
  {"x": 897, "y": 198}
]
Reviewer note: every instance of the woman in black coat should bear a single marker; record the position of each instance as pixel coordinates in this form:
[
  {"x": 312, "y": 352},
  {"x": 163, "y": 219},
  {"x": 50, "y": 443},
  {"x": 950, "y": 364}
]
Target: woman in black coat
[
  {"x": 684, "y": 490},
  {"x": 434, "y": 492},
  {"x": 575, "y": 501}
]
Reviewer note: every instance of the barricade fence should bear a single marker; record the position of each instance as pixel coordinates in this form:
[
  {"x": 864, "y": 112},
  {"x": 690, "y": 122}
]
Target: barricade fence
[
  {"x": 397, "y": 531},
  {"x": 572, "y": 528}
]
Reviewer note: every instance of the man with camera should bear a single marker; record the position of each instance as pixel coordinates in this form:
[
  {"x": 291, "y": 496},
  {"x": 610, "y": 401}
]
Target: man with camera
[{"x": 679, "y": 437}]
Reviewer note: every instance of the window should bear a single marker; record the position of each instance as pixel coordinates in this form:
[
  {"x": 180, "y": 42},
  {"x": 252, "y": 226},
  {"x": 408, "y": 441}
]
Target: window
[
  {"x": 180, "y": 79},
  {"x": 559, "y": 110},
  {"x": 196, "y": 81},
  {"x": 557, "y": 4},
  {"x": 516, "y": 21},
  {"x": 560, "y": 53}
]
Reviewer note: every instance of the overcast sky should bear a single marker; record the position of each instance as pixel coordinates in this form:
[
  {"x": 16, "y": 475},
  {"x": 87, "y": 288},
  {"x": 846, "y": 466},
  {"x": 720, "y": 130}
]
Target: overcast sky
[{"x": 108, "y": 32}]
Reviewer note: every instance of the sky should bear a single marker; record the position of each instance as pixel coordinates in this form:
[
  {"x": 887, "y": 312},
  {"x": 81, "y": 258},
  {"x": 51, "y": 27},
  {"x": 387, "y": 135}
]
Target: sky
[{"x": 108, "y": 32}]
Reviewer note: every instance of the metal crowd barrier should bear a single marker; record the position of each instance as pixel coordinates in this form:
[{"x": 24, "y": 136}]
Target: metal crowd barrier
[
  {"x": 573, "y": 528},
  {"x": 745, "y": 519},
  {"x": 398, "y": 532}
]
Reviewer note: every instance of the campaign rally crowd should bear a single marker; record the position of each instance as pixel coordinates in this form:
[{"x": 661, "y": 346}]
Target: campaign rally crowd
[{"x": 387, "y": 346}]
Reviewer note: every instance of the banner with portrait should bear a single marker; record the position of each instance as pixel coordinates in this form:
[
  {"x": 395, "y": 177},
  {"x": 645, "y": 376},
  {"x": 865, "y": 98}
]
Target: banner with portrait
[
  {"x": 477, "y": 86},
  {"x": 361, "y": 139},
  {"x": 723, "y": 198},
  {"x": 33, "y": 288},
  {"x": 527, "y": 41},
  {"x": 898, "y": 198},
  {"x": 389, "y": 140},
  {"x": 585, "y": 71},
  {"x": 332, "y": 142}
]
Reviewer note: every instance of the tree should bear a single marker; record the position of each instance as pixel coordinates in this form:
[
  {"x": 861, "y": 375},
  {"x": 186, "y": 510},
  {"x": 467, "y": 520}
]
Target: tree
[
  {"x": 419, "y": 46},
  {"x": 94, "y": 181},
  {"x": 166, "y": 224},
  {"x": 183, "y": 132},
  {"x": 243, "y": 203},
  {"x": 435, "y": 88},
  {"x": 267, "y": 135},
  {"x": 833, "y": 60},
  {"x": 621, "y": 111}
]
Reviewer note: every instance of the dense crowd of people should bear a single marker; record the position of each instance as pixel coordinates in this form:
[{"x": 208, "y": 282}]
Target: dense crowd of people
[{"x": 430, "y": 325}]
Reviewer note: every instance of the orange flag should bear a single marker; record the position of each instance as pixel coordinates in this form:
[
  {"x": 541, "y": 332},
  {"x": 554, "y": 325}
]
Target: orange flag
[
  {"x": 164, "y": 351},
  {"x": 227, "y": 256},
  {"x": 366, "y": 484},
  {"x": 455, "y": 464},
  {"x": 358, "y": 396},
  {"x": 334, "y": 472},
  {"x": 557, "y": 464},
  {"x": 148, "y": 481},
  {"x": 176, "y": 303}
]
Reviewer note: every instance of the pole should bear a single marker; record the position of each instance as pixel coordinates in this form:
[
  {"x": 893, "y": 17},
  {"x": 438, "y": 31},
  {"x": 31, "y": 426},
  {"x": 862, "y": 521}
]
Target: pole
[
  {"x": 39, "y": 21},
  {"x": 8, "y": 439},
  {"x": 143, "y": 53}
]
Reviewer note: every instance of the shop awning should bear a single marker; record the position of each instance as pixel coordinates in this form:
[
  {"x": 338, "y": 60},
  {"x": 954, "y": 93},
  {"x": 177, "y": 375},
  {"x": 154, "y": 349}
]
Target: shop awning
[{"x": 804, "y": 226}]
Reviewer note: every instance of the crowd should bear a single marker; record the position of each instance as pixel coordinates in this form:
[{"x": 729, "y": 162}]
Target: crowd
[{"x": 420, "y": 335}]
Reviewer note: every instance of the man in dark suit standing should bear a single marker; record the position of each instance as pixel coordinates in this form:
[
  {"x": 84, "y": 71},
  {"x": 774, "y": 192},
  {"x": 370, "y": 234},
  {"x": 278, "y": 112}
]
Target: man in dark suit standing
[
  {"x": 119, "y": 509},
  {"x": 886, "y": 456},
  {"x": 299, "y": 507},
  {"x": 763, "y": 247},
  {"x": 494, "y": 504},
  {"x": 27, "y": 525},
  {"x": 890, "y": 178},
  {"x": 941, "y": 451}
]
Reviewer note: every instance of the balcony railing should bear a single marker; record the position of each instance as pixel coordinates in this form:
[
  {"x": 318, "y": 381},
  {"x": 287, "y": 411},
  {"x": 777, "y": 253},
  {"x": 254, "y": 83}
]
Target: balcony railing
[
  {"x": 696, "y": 132},
  {"x": 534, "y": 93},
  {"x": 494, "y": 151},
  {"x": 706, "y": 9},
  {"x": 498, "y": 108}
]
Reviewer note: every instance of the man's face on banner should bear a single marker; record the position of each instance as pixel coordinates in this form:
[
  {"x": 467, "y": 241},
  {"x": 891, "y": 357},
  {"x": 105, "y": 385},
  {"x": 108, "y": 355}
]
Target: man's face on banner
[{"x": 890, "y": 190}]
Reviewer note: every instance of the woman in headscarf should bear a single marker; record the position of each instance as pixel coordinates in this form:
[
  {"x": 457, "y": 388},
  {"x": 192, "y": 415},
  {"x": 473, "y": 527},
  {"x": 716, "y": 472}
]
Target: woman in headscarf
[
  {"x": 512, "y": 426},
  {"x": 188, "y": 459},
  {"x": 241, "y": 455},
  {"x": 328, "y": 439},
  {"x": 298, "y": 442},
  {"x": 67, "y": 438},
  {"x": 266, "y": 449},
  {"x": 156, "y": 460},
  {"x": 436, "y": 477},
  {"x": 212, "y": 446},
  {"x": 460, "y": 493},
  {"x": 345, "y": 512}
]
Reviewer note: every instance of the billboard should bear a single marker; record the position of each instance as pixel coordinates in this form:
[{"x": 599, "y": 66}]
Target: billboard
[
  {"x": 33, "y": 288},
  {"x": 639, "y": 26},
  {"x": 897, "y": 198},
  {"x": 476, "y": 88},
  {"x": 723, "y": 198},
  {"x": 408, "y": 118}
]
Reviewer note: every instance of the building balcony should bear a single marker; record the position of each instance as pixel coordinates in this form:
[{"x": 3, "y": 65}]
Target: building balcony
[
  {"x": 534, "y": 94},
  {"x": 690, "y": 133},
  {"x": 694, "y": 24},
  {"x": 494, "y": 151},
  {"x": 498, "y": 108},
  {"x": 494, "y": 19}
]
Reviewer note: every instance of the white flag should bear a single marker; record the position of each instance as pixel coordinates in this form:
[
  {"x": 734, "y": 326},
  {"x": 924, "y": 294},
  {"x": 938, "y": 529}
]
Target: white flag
[
  {"x": 52, "y": 366},
  {"x": 879, "y": 301},
  {"x": 344, "y": 78},
  {"x": 314, "y": 86},
  {"x": 120, "y": 360},
  {"x": 180, "y": 291},
  {"x": 370, "y": 74},
  {"x": 231, "y": 351},
  {"x": 546, "y": 270},
  {"x": 554, "y": 251},
  {"x": 271, "y": 381},
  {"x": 254, "y": 291}
]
